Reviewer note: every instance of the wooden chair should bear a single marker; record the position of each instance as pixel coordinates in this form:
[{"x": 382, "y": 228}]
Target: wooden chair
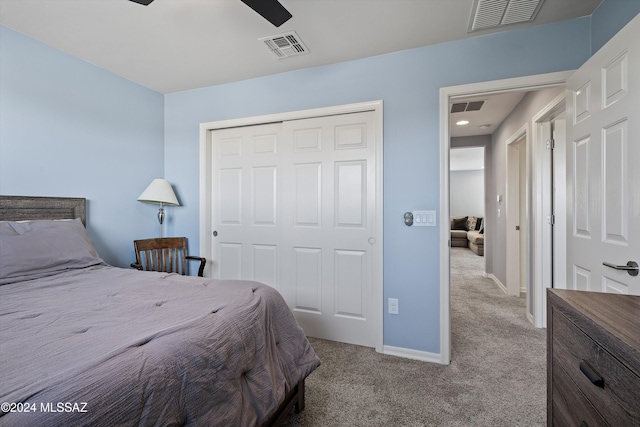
[{"x": 165, "y": 254}]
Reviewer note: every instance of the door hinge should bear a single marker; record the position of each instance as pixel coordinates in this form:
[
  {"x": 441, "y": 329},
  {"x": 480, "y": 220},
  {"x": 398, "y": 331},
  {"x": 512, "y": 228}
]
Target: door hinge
[
  {"x": 551, "y": 219},
  {"x": 551, "y": 144}
]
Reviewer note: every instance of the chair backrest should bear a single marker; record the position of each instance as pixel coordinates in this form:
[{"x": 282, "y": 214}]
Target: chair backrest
[{"x": 164, "y": 254}]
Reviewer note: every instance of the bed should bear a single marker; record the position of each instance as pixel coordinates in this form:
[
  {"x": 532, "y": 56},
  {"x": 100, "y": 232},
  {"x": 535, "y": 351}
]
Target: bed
[{"x": 83, "y": 343}]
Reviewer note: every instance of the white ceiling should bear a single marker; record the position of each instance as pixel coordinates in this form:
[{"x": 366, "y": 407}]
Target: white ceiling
[{"x": 176, "y": 45}]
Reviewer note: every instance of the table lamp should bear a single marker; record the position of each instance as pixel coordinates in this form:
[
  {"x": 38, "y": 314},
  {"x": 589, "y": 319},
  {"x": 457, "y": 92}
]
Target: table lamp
[{"x": 159, "y": 192}]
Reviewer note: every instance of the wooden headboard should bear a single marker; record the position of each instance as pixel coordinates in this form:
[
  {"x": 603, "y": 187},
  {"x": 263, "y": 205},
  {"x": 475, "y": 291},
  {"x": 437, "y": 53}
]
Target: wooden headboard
[{"x": 19, "y": 208}]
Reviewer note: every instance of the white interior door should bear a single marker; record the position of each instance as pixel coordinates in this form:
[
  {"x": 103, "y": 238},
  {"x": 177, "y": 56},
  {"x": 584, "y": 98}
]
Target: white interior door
[
  {"x": 294, "y": 206},
  {"x": 516, "y": 215},
  {"x": 603, "y": 166},
  {"x": 245, "y": 207},
  {"x": 329, "y": 226},
  {"x": 523, "y": 220}
]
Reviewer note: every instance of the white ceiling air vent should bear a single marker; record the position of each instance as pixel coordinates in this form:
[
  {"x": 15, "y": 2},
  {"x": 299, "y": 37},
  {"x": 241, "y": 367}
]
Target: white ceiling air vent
[
  {"x": 496, "y": 13},
  {"x": 285, "y": 45}
]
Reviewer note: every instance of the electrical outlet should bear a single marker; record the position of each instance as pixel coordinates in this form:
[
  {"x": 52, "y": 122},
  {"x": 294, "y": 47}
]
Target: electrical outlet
[{"x": 393, "y": 305}]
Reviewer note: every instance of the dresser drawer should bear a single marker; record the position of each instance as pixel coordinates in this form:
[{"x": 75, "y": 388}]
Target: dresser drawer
[
  {"x": 617, "y": 397},
  {"x": 570, "y": 406}
]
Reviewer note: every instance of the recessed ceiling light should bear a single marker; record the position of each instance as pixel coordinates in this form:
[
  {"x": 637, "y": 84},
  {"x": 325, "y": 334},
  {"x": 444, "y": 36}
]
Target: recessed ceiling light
[{"x": 462, "y": 122}]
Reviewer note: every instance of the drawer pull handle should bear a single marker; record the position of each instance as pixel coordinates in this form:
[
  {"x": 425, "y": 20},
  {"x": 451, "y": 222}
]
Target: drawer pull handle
[{"x": 591, "y": 373}]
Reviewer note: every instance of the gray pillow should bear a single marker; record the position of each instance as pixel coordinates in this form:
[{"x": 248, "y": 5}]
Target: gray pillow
[
  {"x": 459, "y": 223},
  {"x": 40, "y": 248}
]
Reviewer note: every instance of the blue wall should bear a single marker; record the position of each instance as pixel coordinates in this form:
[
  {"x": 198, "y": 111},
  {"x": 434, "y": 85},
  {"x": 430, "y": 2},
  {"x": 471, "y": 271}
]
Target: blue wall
[
  {"x": 69, "y": 128},
  {"x": 408, "y": 82},
  {"x": 609, "y": 18}
]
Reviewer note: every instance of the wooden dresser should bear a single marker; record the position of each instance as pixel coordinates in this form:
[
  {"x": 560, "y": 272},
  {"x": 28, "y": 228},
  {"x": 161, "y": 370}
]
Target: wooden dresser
[{"x": 593, "y": 359}]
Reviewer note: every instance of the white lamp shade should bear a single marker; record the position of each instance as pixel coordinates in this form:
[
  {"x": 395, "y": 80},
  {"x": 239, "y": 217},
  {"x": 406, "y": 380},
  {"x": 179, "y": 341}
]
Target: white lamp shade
[{"x": 159, "y": 191}]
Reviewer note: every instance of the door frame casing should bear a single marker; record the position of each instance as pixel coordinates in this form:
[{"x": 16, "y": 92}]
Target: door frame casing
[
  {"x": 543, "y": 229},
  {"x": 539, "y": 81},
  {"x": 206, "y": 167}
]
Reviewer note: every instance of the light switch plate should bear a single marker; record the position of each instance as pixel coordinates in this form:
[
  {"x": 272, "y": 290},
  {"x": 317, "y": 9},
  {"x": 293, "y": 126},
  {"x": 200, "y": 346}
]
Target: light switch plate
[
  {"x": 393, "y": 306},
  {"x": 424, "y": 218}
]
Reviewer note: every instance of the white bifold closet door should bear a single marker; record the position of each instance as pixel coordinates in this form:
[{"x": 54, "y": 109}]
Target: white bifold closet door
[{"x": 294, "y": 207}]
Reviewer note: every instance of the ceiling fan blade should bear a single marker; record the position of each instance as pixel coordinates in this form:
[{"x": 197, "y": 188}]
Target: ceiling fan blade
[
  {"x": 142, "y": 2},
  {"x": 271, "y": 10}
]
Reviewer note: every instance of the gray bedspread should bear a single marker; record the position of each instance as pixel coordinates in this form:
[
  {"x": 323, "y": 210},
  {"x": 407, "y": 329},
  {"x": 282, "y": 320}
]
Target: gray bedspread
[{"x": 114, "y": 347}]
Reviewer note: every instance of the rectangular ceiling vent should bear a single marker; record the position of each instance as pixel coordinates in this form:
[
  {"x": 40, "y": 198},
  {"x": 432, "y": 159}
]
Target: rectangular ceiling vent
[
  {"x": 488, "y": 14},
  {"x": 466, "y": 106},
  {"x": 285, "y": 45}
]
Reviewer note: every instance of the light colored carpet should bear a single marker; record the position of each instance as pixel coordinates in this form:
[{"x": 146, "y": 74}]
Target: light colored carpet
[{"x": 497, "y": 375}]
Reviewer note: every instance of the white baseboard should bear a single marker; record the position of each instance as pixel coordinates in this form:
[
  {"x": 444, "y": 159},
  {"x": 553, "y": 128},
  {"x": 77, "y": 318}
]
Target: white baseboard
[
  {"x": 408, "y": 353},
  {"x": 497, "y": 282}
]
